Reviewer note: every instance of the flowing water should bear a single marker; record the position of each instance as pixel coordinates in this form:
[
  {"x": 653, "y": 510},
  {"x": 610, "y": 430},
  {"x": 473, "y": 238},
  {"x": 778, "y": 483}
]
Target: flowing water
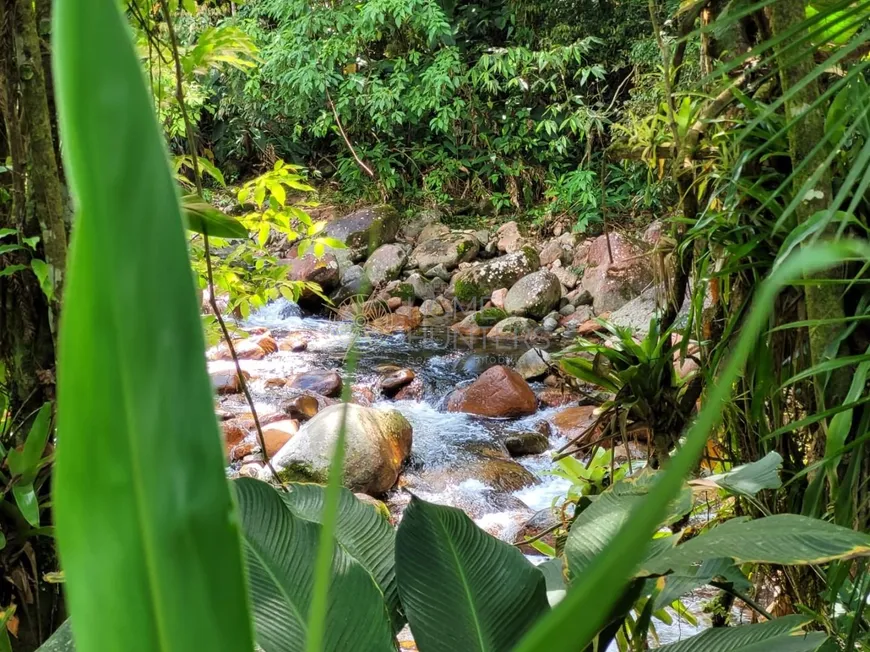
[{"x": 441, "y": 440}]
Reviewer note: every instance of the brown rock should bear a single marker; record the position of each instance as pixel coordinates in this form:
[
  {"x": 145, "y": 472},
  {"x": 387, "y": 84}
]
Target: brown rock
[
  {"x": 399, "y": 321},
  {"x": 498, "y": 392},
  {"x": 267, "y": 343},
  {"x": 362, "y": 395},
  {"x": 241, "y": 451},
  {"x": 411, "y": 392},
  {"x": 327, "y": 383},
  {"x": 591, "y": 326},
  {"x": 275, "y": 381},
  {"x": 323, "y": 270},
  {"x": 393, "y": 303},
  {"x": 469, "y": 327},
  {"x": 509, "y": 238},
  {"x": 554, "y": 251},
  {"x": 233, "y": 432},
  {"x": 395, "y": 381},
  {"x": 612, "y": 285},
  {"x": 275, "y": 435},
  {"x": 447, "y": 304},
  {"x": 541, "y": 522},
  {"x": 572, "y": 422},
  {"x": 294, "y": 342},
  {"x": 247, "y": 349},
  {"x": 557, "y": 397},
  {"x": 578, "y": 318},
  {"x": 227, "y": 382},
  {"x": 301, "y": 407},
  {"x": 498, "y": 297},
  {"x": 526, "y": 443}
]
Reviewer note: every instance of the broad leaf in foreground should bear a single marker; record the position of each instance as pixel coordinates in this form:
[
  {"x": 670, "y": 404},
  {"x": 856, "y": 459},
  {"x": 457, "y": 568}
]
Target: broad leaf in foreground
[
  {"x": 461, "y": 588},
  {"x": 146, "y": 528},
  {"x": 786, "y": 539},
  {"x": 281, "y": 548},
  {"x": 780, "y": 635},
  {"x": 747, "y": 479},
  {"x": 595, "y": 526},
  {"x": 362, "y": 532}
]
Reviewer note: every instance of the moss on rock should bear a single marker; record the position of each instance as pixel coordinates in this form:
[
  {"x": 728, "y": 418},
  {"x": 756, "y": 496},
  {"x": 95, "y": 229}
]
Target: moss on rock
[{"x": 489, "y": 316}]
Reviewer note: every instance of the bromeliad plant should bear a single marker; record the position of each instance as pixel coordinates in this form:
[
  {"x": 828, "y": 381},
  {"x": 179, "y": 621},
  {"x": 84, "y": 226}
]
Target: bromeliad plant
[
  {"x": 152, "y": 543},
  {"x": 649, "y": 399}
]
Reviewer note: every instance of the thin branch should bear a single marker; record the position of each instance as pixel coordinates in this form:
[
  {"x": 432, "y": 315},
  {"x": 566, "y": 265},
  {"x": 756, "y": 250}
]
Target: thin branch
[{"x": 347, "y": 142}]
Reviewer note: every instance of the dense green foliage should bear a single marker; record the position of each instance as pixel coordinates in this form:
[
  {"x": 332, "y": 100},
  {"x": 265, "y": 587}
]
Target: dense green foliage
[
  {"x": 747, "y": 125},
  {"x": 500, "y": 101}
]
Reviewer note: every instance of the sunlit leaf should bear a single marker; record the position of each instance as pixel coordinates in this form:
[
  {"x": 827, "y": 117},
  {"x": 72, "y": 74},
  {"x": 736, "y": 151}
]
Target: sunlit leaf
[{"x": 139, "y": 451}]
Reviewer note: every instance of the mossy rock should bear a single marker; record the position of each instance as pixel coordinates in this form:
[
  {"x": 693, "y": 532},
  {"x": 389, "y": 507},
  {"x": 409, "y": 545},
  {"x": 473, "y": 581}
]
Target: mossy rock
[
  {"x": 405, "y": 291},
  {"x": 489, "y": 316},
  {"x": 467, "y": 290},
  {"x": 478, "y": 283},
  {"x": 300, "y": 472}
]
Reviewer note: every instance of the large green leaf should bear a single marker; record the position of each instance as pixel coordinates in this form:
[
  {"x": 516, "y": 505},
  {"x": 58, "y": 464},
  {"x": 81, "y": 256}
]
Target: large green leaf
[
  {"x": 146, "y": 526},
  {"x": 748, "y": 479},
  {"x": 361, "y": 531},
  {"x": 786, "y": 539},
  {"x": 780, "y": 635},
  {"x": 463, "y": 589},
  {"x": 281, "y": 548},
  {"x": 595, "y": 526},
  {"x": 683, "y": 581}
]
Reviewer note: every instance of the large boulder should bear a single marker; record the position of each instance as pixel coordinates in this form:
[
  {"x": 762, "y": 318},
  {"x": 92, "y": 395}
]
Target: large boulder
[
  {"x": 386, "y": 263},
  {"x": 365, "y": 230},
  {"x": 498, "y": 392},
  {"x": 377, "y": 445},
  {"x": 432, "y": 230},
  {"x": 323, "y": 270},
  {"x": 447, "y": 250},
  {"x": 479, "y": 282},
  {"x": 534, "y": 295},
  {"x": 612, "y": 285},
  {"x": 637, "y": 313},
  {"x": 355, "y": 282}
]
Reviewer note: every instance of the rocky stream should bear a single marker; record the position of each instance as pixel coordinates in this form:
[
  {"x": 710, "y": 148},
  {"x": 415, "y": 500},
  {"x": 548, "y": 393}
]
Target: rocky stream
[{"x": 453, "y": 396}]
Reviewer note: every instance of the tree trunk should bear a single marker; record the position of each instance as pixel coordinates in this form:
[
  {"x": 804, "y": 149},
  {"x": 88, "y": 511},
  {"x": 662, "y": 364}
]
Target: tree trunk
[
  {"x": 796, "y": 64},
  {"x": 42, "y": 169}
]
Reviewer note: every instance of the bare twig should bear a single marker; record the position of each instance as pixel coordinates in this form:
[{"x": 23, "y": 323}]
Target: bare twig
[
  {"x": 188, "y": 127},
  {"x": 347, "y": 142}
]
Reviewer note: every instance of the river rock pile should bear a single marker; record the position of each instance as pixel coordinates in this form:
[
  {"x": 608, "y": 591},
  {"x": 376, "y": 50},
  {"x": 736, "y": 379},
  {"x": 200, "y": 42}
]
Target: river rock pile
[{"x": 493, "y": 284}]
